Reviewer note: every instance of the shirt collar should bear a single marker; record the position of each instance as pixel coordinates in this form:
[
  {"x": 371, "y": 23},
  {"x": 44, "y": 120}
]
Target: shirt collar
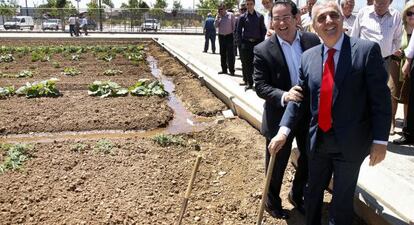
[
  {"x": 372, "y": 11},
  {"x": 337, "y": 46},
  {"x": 281, "y": 41}
]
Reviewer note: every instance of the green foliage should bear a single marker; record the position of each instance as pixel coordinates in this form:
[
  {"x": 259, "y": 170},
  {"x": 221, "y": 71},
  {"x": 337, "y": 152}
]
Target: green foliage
[
  {"x": 78, "y": 147},
  {"x": 112, "y": 72},
  {"x": 40, "y": 56},
  {"x": 14, "y": 157},
  {"x": 7, "y": 91},
  {"x": 70, "y": 71},
  {"x": 104, "y": 146},
  {"x": 24, "y": 73},
  {"x": 46, "y": 88},
  {"x": 165, "y": 140},
  {"x": 6, "y": 58},
  {"x": 106, "y": 89},
  {"x": 106, "y": 56},
  {"x": 56, "y": 64},
  {"x": 146, "y": 87},
  {"x": 133, "y": 56}
]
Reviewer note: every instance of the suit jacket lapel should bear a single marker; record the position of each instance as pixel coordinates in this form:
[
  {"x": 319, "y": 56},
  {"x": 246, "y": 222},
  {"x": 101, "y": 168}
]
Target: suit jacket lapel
[
  {"x": 343, "y": 66},
  {"x": 278, "y": 58}
]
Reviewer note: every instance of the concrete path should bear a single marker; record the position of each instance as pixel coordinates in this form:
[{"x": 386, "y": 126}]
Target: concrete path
[{"x": 388, "y": 187}]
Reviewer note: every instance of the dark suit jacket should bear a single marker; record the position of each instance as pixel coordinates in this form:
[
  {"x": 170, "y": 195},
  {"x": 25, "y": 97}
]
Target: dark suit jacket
[
  {"x": 361, "y": 110},
  {"x": 272, "y": 78}
]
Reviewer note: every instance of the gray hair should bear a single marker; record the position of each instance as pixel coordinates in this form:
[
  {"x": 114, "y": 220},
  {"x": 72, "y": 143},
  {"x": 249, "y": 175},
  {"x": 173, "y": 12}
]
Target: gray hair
[{"x": 320, "y": 4}]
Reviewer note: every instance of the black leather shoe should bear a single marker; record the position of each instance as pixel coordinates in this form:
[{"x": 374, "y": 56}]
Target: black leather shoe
[
  {"x": 403, "y": 140},
  {"x": 277, "y": 213},
  {"x": 232, "y": 73},
  {"x": 297, "y": 204},
  {"x": 222, "y": 72},
  {"x": 248, "y": 87}
]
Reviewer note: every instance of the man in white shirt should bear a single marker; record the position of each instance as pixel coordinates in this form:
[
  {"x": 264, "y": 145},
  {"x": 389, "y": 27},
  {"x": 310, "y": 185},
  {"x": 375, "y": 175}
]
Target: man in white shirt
[
  {"x": 306, "y": 19},
  {"x": 381, "y": 24},
  {"x": 347, "y": 6}
]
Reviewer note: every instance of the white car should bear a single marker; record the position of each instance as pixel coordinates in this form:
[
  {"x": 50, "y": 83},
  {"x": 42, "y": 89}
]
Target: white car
[
  {"x": 51, "y": 24},
  {"x": 151, "y": 24},
  {"x": 19, "y": 22}
]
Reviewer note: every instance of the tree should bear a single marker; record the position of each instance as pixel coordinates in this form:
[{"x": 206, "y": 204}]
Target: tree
[
  {"x": 8, "y": 9},
  {"x": 206, "y": 6},
  {"x": 108, "y": 3},
  {"x": 158, "y": 9},
  {"x": 176, "y": 7},
  {"x": 135, "y": 9}
]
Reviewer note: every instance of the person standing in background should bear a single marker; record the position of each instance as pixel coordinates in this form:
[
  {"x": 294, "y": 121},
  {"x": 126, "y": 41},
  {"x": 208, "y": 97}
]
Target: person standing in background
[
  {"x": 225, "y": 22},
  {"x": 209, "y": 33},
  {"x": 72, "y": 24},
  {"x": 382, "y": 24},
  {"x": 251, "y": 31},
  {"x": 83, "y": 24},
  {"x": 306, "y": 19},
  {"x": 267, "y": 4},
  {"x": 347, "y": 7}
]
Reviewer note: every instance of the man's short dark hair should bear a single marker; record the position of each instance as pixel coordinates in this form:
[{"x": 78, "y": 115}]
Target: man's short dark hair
[{"x": 294, "y": 9}]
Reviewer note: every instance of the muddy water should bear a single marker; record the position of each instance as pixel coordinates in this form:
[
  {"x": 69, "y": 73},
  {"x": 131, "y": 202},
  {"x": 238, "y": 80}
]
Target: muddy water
[{"x": 183, "y": 121}]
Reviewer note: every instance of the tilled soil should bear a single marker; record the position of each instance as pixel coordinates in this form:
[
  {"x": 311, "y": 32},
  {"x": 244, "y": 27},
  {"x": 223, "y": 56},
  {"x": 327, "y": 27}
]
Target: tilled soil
[{"x": 76, "y": 111}]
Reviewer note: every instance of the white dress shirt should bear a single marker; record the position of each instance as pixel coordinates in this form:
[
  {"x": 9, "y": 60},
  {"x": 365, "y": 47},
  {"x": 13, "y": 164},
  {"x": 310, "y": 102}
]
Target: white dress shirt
[
  {"x": 386, "y": 30},
  {"x": 349, "y": 23},
  {"x": 292, "y": 55}
]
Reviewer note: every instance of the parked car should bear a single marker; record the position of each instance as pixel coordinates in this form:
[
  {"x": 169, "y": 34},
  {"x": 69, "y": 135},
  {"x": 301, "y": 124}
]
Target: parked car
[
  {"x": 51, "y": 24},
  {"x": 151, "y": 24},
  {"x": 19, "y": 22}
]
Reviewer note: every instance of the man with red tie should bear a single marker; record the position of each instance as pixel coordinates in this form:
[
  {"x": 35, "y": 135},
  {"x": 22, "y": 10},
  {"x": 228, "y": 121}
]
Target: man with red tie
[{"x": 344, "y": 82}]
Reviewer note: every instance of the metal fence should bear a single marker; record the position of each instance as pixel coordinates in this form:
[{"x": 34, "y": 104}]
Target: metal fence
[{"x": 112, "y": 20}]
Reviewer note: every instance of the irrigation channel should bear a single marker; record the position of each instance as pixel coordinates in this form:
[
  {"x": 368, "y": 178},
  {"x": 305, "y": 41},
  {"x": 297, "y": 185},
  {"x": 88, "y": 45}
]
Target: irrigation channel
[
  {"x": 80, "y": 168},
  {"x": 182, "y": 122}
]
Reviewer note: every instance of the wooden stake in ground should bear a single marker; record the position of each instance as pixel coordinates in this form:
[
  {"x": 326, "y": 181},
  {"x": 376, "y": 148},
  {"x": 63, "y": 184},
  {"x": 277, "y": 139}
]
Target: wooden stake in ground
[
  {"x": 266, "y": 187},
  {"x": 188, "y": 192}
]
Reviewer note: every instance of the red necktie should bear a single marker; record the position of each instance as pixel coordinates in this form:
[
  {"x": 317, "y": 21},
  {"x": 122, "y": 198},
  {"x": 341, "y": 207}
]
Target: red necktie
[{"x": 325, "y": 96}]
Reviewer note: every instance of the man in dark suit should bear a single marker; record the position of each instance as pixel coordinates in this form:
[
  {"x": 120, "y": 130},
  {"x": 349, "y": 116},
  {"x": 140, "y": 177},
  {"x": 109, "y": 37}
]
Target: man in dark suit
[
  {"x": 344, "y": 83},
  {"x": 276, "y": 71}
]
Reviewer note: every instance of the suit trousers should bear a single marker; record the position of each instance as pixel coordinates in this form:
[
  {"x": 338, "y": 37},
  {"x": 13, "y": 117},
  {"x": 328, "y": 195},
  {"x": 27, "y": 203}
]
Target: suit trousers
[
  {"x": 227, "y": 57},
  {"x": 273, "y": 199},
  {"x": 324, "y": 162},
  {"x": 210, "y": 36},
  {"x": 247, "y": 56},
  {"x": 409, "y": 129}
]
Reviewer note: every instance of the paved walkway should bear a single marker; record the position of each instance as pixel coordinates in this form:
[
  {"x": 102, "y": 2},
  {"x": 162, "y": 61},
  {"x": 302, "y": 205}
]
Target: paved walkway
[{"x": 388, "y": 187}]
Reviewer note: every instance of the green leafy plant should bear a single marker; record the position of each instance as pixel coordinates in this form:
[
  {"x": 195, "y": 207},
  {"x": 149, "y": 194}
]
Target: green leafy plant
[
  {"x": 24, "y": 73},
  {"x": 106, "y": 89},
  {"x": 40, "y": 56},
  {"x": 168, "y": 140},
  {"x": 14, "y": 157},
  {"x": 104, "y": 146},
  {"x": 70, "y": 71},
  {"x": 78, "y": 147},
  {"x": 45, "y": 88},
  {"x": 106, "y": 56},
  {"x": 7, "y": 91},
  {"x": 135, "y": 57},
  {"x": 112, "y": 72},
  {"x": 56, "y": 64},
  {"x": 146, "y": 87},
  {"x": 6, "y": 58}
]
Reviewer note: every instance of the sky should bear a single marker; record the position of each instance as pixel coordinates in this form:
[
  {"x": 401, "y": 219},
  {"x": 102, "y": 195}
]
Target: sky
[{"x": 188, "y": 4}]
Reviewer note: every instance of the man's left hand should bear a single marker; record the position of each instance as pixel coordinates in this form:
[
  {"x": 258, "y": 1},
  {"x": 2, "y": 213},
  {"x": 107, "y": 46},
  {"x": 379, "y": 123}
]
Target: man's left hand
[{"x": 377, "y": 154}]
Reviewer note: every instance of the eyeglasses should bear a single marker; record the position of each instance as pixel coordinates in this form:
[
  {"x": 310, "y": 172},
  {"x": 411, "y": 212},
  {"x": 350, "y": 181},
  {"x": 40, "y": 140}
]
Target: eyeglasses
[
  {"x": 409, "y": 14},
  {"x": 282, "y": 18},
  {"x": 333, "y": 15}
]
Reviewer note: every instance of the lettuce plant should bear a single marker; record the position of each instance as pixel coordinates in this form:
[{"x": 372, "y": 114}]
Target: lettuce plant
[
  {"x": 45, "y": 88},
  {"x": 7, "y": 91},
  {"x": 112, "y": 72},
  {"x": 106, "y": 89},
  {"x": 70, "y": 71},
  {"x": 146, "y": 87}
]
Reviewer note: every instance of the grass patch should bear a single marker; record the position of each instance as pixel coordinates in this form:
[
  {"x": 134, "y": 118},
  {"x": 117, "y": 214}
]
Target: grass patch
[
  {"x": 15, "y": 156},
  {"x": 104, "y": 146},
  {"x": 165, "y": 140}
]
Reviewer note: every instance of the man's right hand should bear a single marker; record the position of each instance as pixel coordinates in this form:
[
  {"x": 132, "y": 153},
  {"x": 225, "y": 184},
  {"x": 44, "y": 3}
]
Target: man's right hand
[
  {"x": 294, "y": 94},
  {"x": 277, "y": 143}
]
